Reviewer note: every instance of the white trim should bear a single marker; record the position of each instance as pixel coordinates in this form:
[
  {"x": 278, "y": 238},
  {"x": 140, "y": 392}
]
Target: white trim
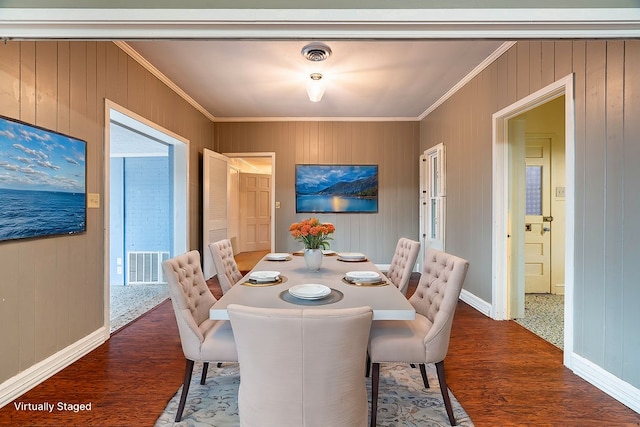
[
  {"x": 355, "y": 22},
  {"x": 466, "y": 79},
  {"x": 164, "y": 79},
  {"x": 607, "y": 382},
  {"x": 478, "y": 303},
  {"x": 500, "y": 231},
  {"x": 19, "y": 384}
]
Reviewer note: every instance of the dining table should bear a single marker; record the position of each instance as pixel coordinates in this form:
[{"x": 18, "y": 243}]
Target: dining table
[{"x": 385, "y": 299}]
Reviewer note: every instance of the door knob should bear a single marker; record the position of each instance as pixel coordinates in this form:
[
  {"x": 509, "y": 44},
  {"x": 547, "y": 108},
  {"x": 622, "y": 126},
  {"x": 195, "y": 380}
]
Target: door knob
[{"x": 544, "y": 230}]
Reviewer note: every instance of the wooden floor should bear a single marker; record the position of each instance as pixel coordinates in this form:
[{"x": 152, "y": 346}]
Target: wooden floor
[{"x": 500, "y": 372}]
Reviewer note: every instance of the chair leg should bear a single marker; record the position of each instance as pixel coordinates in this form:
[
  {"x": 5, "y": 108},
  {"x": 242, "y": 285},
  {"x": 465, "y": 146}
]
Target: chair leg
[
  {"x": 203, "y": 378},
  {"x": 185, "y": 389},
  {"x": 445, "y": 392},
  {"x": 423, "y": 372},
  {"x": 367, "y": 370},
  {"x": 375, "y": 382}
]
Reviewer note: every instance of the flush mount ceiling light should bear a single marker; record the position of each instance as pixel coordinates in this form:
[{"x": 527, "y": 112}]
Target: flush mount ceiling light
[
  {"x": 316, "y": 52},
  {"x": 315, "y": 88}
]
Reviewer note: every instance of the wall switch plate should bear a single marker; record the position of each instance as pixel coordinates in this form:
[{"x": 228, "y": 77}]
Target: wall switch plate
[
  {"x": 560, "y": 192},
  {"x": 93, "y": 200}
]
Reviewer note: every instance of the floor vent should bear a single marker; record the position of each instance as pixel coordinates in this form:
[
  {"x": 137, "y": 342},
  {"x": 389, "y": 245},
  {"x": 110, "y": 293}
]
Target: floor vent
[{"x": 146, "y": 267}]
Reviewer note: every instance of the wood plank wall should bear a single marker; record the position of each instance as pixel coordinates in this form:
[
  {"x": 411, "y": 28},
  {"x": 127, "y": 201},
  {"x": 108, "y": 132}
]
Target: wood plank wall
[
  {"x": 393, "y": 146},
  {"x": 51, "y": 289},
  {"x": 607, "y": 151}
]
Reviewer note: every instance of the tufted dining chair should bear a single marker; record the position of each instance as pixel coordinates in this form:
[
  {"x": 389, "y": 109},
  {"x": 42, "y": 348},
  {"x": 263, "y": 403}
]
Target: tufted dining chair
[
  {"x": 301, "y": 367},
  {"x": 402, "y": 263},
  {"x": 202, "y": 339},
  {"x": 425, "y": 339},
  {"x": 228, "y": 273}
]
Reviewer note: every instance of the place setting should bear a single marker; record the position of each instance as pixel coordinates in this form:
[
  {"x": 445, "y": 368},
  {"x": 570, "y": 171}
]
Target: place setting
[
  {"x": 264, "y": 278},
  {"x": 364, "y": 278},
  {"x": 278, "y": 256},
  {"x": 311, "y": 294},
  {"x": 351, "y": 257}
]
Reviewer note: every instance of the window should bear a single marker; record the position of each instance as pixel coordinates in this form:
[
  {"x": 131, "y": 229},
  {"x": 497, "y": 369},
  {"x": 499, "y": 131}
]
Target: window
[{"x": 433, "y": 196}]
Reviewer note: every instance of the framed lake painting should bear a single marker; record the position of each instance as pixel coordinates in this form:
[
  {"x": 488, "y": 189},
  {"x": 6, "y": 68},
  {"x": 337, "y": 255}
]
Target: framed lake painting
[
  {"x": 42, "y": 182},
  {"x": 337, "y": 188}
]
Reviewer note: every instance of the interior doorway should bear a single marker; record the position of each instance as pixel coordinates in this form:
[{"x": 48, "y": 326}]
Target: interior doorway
[
  {"x": 238, "y": 202},
  {"x": 511, "y": 132},
  {"x": 145, "y": 223}
]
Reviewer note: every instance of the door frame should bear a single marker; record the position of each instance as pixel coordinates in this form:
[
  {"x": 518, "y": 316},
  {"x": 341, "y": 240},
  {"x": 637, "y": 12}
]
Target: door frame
[
  {"x": 500, "y": 235},
  {"x": 117, "y": 113},
  {"x": 271, "y": 155}
]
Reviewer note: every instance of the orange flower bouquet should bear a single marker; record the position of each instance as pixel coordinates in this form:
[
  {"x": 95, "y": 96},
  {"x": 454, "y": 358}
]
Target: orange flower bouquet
[{"x": 312, "y": 233}]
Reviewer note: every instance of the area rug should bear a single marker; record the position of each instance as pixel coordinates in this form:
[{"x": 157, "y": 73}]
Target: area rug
[{"x": 403, "y": 400}]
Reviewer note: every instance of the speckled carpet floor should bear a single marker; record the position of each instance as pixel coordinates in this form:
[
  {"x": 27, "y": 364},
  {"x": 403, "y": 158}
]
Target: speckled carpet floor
[
  {"x": 132, "y": 301},
  {"x": 403, "y": 400},
  {"x": 544, "y": 316}
]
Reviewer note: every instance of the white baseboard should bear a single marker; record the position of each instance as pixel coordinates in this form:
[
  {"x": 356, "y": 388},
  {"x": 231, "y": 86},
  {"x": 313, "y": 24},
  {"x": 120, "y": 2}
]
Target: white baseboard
[
  {"x": 479, "y": 304},
  {"x": 615, "y": 387},
  {"x": 19, "y": 384}
]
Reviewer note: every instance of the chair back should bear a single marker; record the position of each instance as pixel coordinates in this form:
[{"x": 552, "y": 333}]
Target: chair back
[
  {"x": 225, "y": 263},
  {"x": 436, "y": 298},
  {"x": 301, "y": 367},
  {"x": 402, "y": 263},
  {"x": 191, "y": 300}
]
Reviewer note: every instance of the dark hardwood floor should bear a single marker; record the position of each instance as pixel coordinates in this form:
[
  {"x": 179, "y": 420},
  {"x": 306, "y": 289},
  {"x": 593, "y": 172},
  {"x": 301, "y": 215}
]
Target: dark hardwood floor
[{"x": 501, "y": 373}]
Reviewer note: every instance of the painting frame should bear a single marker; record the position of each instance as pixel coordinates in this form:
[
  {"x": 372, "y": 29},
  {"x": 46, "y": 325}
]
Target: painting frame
[
  {"x": 336, "y": 188},
  {"x": 43, "y": 181}
]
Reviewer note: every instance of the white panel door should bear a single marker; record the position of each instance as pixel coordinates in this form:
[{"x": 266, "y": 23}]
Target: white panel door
[
  {"x": 215, "y": 205},
  {"x": 538, "y": 216},
  {"x": 255, "y": 205}
]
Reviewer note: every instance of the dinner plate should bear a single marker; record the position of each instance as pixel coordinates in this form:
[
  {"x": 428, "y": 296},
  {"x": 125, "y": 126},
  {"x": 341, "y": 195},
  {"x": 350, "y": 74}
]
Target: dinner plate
[
  {"x": 351, "y": 256},
  {"x": 363, "y": 276},
  {"x": 277, "y": 256},
  {"x": 328, "y": 252},
  {"x": 264, "y": 276},
  {"x": 310, "y": 291}
]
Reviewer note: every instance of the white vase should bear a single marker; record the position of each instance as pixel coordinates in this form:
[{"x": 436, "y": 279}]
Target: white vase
[{"x": 313, "y": 258}]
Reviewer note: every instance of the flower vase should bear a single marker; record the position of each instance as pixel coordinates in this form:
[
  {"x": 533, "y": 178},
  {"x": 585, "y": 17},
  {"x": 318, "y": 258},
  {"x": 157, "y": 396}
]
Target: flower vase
[{"x": 313, "y": 258}]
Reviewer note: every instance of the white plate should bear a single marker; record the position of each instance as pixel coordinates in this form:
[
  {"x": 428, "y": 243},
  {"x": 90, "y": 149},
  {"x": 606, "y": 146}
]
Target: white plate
[
  {"x": 264, "y": 276},
  {"x": 310, "y": 291},
  {"x": 355, "y": 256},
  {"x": 277, "y": 256},
  {"x": 328, "y": 252},
  {"x": 363, "y": 276}
]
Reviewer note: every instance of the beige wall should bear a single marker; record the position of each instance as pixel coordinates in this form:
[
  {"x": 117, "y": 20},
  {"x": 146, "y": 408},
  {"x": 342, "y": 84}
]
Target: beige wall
[
  {"x": 607, "y": 178},
  {"x": 51, "y": 289},
  {"x": 391, "y": 145}
]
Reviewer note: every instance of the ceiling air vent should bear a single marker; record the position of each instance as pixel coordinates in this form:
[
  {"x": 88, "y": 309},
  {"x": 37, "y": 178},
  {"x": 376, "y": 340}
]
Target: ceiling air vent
[{"x": 316, "y": 52}]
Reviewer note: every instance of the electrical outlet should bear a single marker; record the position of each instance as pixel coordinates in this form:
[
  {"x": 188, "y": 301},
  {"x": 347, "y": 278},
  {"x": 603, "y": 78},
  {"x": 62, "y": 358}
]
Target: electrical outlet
[{"x": 560, "y": 192}]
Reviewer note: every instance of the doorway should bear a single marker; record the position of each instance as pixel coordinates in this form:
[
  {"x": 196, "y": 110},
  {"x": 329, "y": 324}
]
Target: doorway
[
  {"x": 238, "y": 203},
  {"x": 145, "y": 218},
  {"x": 510, "y": 266}
]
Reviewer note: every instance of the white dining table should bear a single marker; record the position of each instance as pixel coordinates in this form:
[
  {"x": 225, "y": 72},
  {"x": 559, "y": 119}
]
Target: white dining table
[{"x": 387, "y": 302}]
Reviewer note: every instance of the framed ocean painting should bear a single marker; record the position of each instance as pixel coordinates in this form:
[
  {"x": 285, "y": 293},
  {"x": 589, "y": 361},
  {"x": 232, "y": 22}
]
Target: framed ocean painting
[
  {"x": 337, "y": 188},
  {"x": 42, "y": 182}
]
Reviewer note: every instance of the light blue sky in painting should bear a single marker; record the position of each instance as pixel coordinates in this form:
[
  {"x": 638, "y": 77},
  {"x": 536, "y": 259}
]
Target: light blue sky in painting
[{"x": 36, "y": 159}]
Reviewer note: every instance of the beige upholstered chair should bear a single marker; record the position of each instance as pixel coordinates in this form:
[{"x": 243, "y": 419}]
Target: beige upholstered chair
[
  {"x": 228, "y": 273},
  {"x": 402, "y": 263},
  {"x": 301, "y": 367},
  {"x": 425, "y": 339},
  {"x": 203, "y": 340}
]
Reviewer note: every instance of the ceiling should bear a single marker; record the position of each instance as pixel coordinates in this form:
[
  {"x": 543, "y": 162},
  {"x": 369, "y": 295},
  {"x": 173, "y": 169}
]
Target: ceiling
[{"x": 267, "y": 79}]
